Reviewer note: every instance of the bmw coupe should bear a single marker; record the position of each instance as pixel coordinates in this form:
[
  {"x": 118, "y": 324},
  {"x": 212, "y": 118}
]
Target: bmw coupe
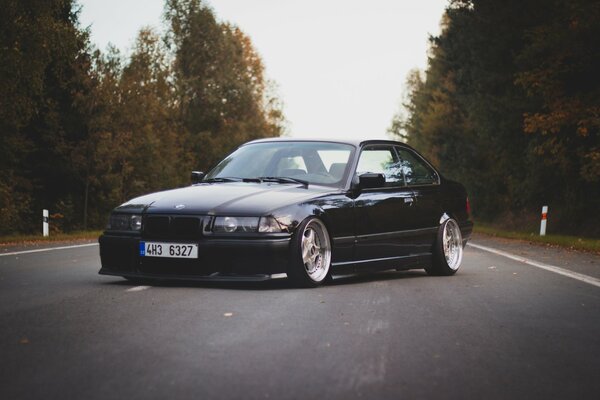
[{"x": 306, "y": 208}]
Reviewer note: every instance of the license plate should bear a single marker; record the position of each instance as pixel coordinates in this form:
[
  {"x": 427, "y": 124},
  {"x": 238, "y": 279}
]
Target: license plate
[{"x": 169, "y": 250}]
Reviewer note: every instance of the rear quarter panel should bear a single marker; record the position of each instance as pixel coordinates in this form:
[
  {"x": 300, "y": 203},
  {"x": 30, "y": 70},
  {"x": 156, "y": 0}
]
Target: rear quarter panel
[{"x": 455, "y": 205}]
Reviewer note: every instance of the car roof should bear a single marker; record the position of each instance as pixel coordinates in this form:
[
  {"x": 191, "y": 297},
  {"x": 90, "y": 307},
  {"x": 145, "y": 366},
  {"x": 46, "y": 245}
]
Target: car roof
[{"x": 353, "y": 142}]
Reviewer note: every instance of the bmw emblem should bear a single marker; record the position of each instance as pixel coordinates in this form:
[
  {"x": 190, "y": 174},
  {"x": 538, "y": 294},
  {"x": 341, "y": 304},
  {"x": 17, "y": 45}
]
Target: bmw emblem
[{"x": 180, "y": 206}]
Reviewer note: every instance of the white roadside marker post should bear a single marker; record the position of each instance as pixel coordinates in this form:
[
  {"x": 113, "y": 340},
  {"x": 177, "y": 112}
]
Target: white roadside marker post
[
  {"x": 543, "y": 223},
  {"x": 45, "y": 223}
]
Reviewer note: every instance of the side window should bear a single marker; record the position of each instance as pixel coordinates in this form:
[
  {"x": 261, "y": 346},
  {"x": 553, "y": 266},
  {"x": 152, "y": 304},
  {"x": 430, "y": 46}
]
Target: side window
[
  {"x": 381, "y": 160},
  {"x": 415, "y": 170}
]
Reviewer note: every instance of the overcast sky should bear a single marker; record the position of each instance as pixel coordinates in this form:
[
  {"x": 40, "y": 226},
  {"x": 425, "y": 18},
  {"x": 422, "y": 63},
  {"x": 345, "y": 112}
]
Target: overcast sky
[{"x": 340, "y": 64}]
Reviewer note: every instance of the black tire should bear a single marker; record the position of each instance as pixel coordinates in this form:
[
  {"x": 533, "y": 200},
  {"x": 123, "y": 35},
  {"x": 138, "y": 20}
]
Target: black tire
[
  {"x": 446, "y": 258},
  {"x": 298, "y": 271}
]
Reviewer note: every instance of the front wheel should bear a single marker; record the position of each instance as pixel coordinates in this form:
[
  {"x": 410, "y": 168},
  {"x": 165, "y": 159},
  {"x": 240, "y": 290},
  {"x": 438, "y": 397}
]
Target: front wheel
[
  {"x": 311, "y": 254},
  {"x": 447, "y": 249}
]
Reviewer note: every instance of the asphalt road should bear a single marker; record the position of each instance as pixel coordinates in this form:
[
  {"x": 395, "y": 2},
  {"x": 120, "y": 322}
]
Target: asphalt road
[{"x": 498, "y": 329}]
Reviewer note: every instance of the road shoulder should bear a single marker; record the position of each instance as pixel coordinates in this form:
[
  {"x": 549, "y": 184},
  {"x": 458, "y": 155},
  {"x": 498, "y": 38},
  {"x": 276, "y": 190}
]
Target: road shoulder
[
  {"x": 573, "y": 260},
  {"x": 39, "y": 245}
]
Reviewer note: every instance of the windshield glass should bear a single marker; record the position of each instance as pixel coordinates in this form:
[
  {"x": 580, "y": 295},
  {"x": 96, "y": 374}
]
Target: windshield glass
[{"x": 319, "y": 163}]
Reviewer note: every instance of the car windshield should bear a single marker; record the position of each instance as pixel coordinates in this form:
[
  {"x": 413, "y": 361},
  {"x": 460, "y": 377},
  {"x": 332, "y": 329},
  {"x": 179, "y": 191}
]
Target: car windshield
[{"x": 320, "y": 163}]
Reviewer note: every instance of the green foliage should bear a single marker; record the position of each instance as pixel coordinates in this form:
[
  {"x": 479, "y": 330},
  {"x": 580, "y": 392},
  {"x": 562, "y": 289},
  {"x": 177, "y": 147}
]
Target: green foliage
[
  {"x": 83, "y": 131},
  {"x": 43, "y": 77},
  {"x": 222, "y": 94},
  {"x": 509, "y": 106}
]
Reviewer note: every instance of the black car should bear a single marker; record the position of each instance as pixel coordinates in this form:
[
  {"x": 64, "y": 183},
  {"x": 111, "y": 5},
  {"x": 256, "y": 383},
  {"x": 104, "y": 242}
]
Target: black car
[{"x": 306, "y": 208}]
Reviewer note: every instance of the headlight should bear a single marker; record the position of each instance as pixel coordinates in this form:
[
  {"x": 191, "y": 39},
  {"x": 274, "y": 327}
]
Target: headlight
[
  {"x": 124, "y": 222},
  {"x": 235, "y": 224},
  {"x": 269, "y": 225},
  {"x": 135, "y": 223}
]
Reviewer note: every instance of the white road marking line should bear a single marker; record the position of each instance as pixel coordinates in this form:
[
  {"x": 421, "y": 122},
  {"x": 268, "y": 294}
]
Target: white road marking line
[
  {"x": 138, "y": 288},
  {"x": 16, "y": 253},
  {"x": 557, "y": 270}
]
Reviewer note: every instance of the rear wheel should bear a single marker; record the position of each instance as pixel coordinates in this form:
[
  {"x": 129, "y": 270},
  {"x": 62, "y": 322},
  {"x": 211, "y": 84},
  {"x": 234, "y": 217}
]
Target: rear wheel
[
  {"x": 447, "y": 250},
  {"x": 311, "y": 254}
]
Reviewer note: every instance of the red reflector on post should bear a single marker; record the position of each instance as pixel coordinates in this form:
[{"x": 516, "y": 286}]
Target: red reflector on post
[{"x": 544, "y": 221}]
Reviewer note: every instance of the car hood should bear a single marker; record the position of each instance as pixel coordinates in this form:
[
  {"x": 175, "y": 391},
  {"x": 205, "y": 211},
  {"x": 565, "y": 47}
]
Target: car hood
[{"x": 235, "y": 198}]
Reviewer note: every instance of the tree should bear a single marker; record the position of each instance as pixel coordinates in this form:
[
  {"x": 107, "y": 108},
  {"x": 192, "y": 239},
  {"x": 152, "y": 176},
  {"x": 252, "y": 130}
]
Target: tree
[
  {"x": 509, "y": 104},
  {"x": 222, "y": 94},
  {"x": 83, "y": 130},
  {"x": 43, "y": 77}
]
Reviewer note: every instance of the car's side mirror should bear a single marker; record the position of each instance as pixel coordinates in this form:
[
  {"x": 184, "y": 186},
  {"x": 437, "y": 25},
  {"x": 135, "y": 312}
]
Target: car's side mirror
[
  {"x": 370, "y": 181},
  {"x": 197, "y": 177}
]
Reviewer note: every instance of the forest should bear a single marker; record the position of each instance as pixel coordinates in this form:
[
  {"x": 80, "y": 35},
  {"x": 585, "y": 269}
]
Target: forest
[
  {"x": 509, "y": 105},
  {"x": 82, "y": 130}
]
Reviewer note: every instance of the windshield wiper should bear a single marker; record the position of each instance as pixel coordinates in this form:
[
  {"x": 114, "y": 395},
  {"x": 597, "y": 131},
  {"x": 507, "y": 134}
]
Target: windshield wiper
[
  {"x": 231, "y": 179},
  {"x": 283, "y": 179},
  {"x": 217, "y": 180},
  {"x": 277, "y": 179}
]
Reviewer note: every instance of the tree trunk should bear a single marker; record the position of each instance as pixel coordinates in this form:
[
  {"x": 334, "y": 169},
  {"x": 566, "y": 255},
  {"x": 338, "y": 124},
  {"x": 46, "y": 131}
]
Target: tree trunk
[{"x": 85, "y": 204}]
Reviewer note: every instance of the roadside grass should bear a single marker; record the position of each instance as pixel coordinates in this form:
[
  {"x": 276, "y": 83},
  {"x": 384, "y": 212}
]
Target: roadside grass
[
  {"x": 571, "y": 242},
  {"x": 54, "y": 237}
]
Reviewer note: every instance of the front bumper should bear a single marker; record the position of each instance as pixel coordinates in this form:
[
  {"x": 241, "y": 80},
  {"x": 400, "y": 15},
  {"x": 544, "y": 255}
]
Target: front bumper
[{"x": 218, "y": 259}]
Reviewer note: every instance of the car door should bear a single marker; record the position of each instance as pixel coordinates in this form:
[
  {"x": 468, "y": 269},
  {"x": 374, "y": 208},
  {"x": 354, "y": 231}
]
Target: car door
[
  {"x": 424, "y": 182},
  {"x": 384, "y": 215}
]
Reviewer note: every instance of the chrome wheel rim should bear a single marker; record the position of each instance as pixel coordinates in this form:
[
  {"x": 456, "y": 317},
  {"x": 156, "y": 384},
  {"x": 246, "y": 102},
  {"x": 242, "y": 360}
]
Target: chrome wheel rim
[
  {"x": 316, "y": 250},
  {"x": 452, "y": 241}
]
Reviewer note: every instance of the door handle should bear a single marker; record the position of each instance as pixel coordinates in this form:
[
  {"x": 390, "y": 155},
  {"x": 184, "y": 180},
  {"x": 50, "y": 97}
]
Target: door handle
[{"x": 409, "y": 200}]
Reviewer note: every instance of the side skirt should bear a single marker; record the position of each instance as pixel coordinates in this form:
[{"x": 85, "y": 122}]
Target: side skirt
[{"x": 380, "y": 264}]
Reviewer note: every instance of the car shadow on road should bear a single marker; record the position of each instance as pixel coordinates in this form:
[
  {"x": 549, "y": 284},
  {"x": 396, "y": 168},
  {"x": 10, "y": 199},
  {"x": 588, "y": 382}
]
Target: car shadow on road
[
  {"x": 277, "y": 283},
  {"x": 272, "y": 284},
  {"x": 376, "y": 277}
]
